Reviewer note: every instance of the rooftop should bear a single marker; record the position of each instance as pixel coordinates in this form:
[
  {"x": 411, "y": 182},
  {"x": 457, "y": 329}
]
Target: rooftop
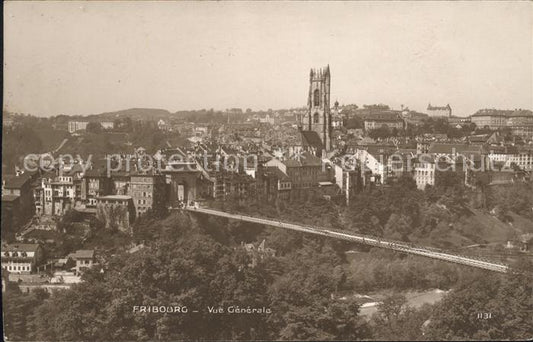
[
  {"x": 82, "y": 254},
  {"x": 272, "y": 170},
  {"x": 306, "y": 159},
  {"x": 505, "y": 113},
  {"x": 20, "y": 247},
  {"x": 382, "y": 116},
  {"x": 9, "y": 198},
  {"x": 454, "y": 148},
  {"x": 311, "y": 138},
  {"x": 14, "y": 181},
  {"x": 115, "y": 197}
]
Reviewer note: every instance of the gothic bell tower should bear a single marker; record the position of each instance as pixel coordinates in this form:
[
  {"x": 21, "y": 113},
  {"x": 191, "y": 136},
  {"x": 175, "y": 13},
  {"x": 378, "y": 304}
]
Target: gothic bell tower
[{"x": 318, "y": 116}]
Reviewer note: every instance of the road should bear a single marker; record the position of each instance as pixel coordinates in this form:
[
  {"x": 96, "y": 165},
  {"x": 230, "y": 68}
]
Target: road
[
  {"x": 399, "y": 246},
  {"x": 60, "y": 146}
]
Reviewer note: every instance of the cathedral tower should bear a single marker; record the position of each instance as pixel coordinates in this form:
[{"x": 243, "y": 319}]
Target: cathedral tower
[{"x": 318, "y": 116}]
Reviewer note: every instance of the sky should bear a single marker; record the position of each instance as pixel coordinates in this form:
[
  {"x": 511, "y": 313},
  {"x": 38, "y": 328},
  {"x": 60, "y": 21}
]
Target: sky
[{"x": 80, "y": 58}]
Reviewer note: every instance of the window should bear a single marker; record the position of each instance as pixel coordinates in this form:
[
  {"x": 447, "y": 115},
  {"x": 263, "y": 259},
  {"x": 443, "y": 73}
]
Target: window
[
  {"x": 315, "y": 118},
  {"x": 316, "y": 98}
]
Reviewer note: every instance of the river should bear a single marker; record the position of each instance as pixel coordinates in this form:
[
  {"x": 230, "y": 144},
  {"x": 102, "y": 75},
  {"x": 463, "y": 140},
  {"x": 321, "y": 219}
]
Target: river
[{"x": 415, "y": 299}]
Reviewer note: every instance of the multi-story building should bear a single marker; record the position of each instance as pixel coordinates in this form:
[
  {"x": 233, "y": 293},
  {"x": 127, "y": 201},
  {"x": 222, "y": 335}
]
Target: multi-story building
[
  {"x": 84, "y": 259},
  {"x": 120, "y": 182},
  {"x": 228, "y": 184},
  {"x": 95, "y": 183},
  {"x": 148, "y": 192},
  {"x": 305, "y": 171},
  {"x": 383, "y": 119},
  {"x": 63, "y": 194},
  {"x": 507, "y": 157},
  {"x": 424, "y": 172},
  {"x": 74, "y": 126},
  {"x": 272, "y": 183},
  {"x": 16, "y": 189},
  {"x": 12, "y": 217},
  {"x": 376, "y": 158},
  {"x": 107, "y": 124},
  {"x": 471, "y": 152},
  {"x": 430, "y": 169},
  {"x": 490, "y": 118},
  {"x": 348, "y": 178},
  {"x": 519, "y": 122},
  {"x": 21, "y": 258},
  {"x": 439, "y": 111}
]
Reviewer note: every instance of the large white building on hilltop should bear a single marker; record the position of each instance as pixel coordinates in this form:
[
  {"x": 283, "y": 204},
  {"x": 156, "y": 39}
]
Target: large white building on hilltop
[{"x": 439, "y": 111}]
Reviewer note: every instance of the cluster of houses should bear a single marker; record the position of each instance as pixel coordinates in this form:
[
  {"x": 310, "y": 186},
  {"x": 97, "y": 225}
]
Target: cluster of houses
[
  {"x": 119, "y": 185},
  {"x": 296, "y": 154},
  {"x": 117, "y": 191},
  {"x": 27, "y": 265}
]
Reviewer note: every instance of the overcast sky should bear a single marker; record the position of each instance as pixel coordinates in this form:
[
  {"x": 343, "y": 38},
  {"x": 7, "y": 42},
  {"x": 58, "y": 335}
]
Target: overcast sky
[{"x": 92, "y": 57}]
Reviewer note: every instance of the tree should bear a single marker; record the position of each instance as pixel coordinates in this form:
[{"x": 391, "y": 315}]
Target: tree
[
  {"x": 94, "y": 127},
  {"x": 506, "y": 297}
]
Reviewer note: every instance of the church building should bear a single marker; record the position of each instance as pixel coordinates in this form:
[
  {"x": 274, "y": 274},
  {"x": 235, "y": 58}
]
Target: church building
[{"x": 316, "y": 125}]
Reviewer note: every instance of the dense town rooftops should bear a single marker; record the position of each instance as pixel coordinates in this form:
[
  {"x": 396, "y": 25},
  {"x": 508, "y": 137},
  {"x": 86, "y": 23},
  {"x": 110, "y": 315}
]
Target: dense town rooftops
[
  {"x": 442, "y": 148},
  {"x": 374, "y": 150}
]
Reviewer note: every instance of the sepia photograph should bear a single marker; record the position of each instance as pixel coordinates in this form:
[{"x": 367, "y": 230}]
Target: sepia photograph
[{"x": 267, "y": 171}]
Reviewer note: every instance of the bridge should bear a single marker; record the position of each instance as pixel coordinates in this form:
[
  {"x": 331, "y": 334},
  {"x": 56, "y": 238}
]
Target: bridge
[{"x": 399, "y": 246}]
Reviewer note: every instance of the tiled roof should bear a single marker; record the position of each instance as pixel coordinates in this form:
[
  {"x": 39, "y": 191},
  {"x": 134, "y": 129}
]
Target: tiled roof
[
  {"x": 20, "y": 247},
  {"x": 311, "y": 138},
  {"x": 522, "y": 113},
  {"x": 506, "y": 113},
  {"x": 82, "y": 254},
  {"x": 115, "y": 197},
  {"x": 94, "y": 173},
  {"x": 277, "y": 173},
  {"x": 383, "y": 117},
  {"x": 9, "y": 198},
  {"x": 306, "y": 159},
  {"x": 14, "y": 182},
  {"x": 457, "y": 148}
]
